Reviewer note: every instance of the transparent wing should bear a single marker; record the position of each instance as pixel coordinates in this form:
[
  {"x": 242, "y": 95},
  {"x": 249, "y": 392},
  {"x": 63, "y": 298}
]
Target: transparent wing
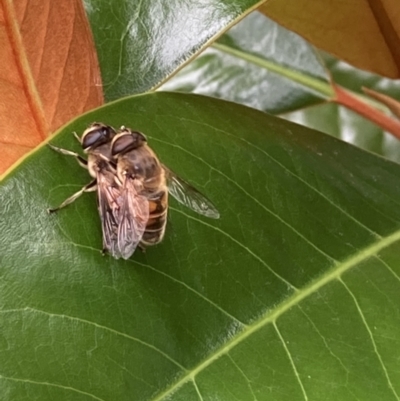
[
  {"x": 134, "y": 215},
  {"x": 109, "y": 199},
  {"x": 189, "y": 196}
]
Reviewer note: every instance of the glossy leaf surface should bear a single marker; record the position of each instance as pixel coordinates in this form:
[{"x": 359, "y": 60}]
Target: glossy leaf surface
[
  {"x": 260, "y": 64},
  {"x": 141, "y": 43},
  {"x": 292, "y": 294},
  {"x": 350, "y": 127}
]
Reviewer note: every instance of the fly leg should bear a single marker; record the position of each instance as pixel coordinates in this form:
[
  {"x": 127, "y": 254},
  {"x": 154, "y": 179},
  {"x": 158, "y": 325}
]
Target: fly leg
[
  {"x": 83, "y": 162},
  {"x": 92, "y": 186}
]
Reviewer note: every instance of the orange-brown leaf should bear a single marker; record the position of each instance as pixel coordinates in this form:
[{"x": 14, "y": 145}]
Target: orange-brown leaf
[
  {"x": 365, "y": 33},
  {"x": 49, "y": 73}
]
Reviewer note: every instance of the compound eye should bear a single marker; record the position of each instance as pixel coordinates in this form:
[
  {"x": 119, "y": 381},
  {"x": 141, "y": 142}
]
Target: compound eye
[
  {"x": 127, "y": 140},
  {"x": 122, "y": 143},
  {"x": 92, "y": 138},
  {"x": 96, "y": 135}
]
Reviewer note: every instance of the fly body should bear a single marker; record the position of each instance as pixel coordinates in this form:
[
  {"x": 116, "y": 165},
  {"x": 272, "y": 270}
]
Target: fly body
[{"x": 132, "y": 188}]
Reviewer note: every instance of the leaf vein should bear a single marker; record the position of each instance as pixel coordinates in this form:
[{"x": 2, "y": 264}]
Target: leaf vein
[
  {"x": 375, "y": 347},
  {"x": 389, "y": 268},
  {"x": 272, "y": 316},
  {"x": 326, "y": 343},
  {"x": 291, "y": 286},
  {"x": 279, "y": 218},
  {"x": 248, "y": 381},
  {"x": 175, "y": 280},
  {"x": 69, "y": 388},
  {"x": 99, "y": 326},
  {"x": 289, "y": 355},
  {"x": 376, "y": 235},
  {"x": 197, "y": 389}
]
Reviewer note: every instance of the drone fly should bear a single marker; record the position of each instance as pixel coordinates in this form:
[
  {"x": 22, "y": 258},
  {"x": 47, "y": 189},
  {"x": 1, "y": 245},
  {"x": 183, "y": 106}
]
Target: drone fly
[
  {"x": 132, "y": 188},
  {"x": 96, "y": 143}
]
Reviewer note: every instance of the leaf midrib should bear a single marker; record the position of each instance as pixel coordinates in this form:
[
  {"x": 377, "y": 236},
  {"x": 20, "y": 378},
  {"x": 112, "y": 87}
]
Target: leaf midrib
[
  {"x": 24, "y": 69},
  {"x": 333, "y": 274},
  {"x": 321, "y": 88}
]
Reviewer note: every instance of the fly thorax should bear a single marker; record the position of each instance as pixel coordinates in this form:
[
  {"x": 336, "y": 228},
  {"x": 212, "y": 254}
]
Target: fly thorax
[{"x": 140, "y": 164}]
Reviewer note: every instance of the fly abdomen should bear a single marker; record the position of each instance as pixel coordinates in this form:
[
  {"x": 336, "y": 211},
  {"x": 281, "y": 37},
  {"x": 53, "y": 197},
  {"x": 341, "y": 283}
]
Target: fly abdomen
[{"x": 155, "y": 227}]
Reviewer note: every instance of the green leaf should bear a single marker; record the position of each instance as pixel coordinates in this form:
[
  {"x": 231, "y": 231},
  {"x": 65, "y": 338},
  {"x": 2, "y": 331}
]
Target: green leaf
[
  {"x": 141, "y": 43},
  {"x": 292, "y": 294},
  {"x": 260, "y": 64},
  {"x": 350, "y": 127}
]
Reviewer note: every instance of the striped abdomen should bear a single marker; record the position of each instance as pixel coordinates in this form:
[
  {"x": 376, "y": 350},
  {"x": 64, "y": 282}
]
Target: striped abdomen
[{"x": 158, "y": 210}]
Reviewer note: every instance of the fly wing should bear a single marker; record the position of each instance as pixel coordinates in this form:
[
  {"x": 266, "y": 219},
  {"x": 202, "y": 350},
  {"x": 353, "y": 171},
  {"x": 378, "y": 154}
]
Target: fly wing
[
  {"x": 109, "y": 199},
  {"x": 189, "y": 196},
  {"x": 134, "y": 215}
]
